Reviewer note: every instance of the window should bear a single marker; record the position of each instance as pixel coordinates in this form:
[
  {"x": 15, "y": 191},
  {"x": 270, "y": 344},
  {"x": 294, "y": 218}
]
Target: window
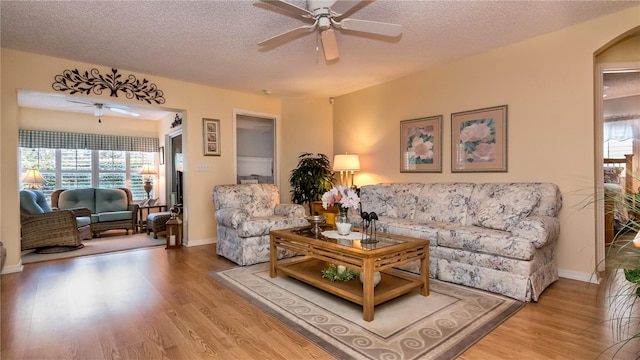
[
  {"x": 73, "y": 169},
  {"x": 614, "y": 149}
]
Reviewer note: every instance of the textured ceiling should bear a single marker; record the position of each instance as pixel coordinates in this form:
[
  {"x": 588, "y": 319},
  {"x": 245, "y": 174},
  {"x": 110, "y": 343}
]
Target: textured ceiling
[{"x": 215, "y": 42}]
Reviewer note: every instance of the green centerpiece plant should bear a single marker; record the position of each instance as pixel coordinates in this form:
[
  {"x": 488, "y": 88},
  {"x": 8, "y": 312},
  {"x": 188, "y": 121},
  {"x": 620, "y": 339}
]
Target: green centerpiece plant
[{"x": 339, "y": 273}]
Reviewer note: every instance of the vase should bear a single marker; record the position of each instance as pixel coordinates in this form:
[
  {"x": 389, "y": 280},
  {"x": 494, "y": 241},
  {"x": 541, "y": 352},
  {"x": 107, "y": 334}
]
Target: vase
[
  {"x": 343, "y": 224},
  {"x": 376, "y": 278}
]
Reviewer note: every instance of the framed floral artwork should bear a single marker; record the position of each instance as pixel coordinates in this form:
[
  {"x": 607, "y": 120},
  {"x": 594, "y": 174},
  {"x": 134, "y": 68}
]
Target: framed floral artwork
[
  {"x": 211, "y": 137},
  {"x": 479, "y": 140},
  {"x": 421, "y": 145}
]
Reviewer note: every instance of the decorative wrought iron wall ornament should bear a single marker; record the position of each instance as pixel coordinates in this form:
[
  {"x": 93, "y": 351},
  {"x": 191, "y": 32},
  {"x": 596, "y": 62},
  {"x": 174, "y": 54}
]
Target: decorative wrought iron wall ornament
[
  {"x": 75, "y": 82},
  {"x": 177, "y": 122}
]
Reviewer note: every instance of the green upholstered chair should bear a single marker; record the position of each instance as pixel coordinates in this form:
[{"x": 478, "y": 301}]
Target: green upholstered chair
[{"x": 47, "y": 230}]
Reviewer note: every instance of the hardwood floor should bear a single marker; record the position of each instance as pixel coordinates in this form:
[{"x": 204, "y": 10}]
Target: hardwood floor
[{"x": 160, "y": 304}]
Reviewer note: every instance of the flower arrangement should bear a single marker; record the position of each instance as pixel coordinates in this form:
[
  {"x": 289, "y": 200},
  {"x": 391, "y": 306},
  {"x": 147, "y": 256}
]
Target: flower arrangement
[
  {"x": 341, "y": 196},
  {"x": 339, "y": 273}
]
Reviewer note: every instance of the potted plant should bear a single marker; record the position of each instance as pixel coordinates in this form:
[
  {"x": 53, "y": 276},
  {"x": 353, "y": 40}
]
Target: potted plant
[
  {"x": 311, "y": 178},
  {"x": 622, "y": 279}
]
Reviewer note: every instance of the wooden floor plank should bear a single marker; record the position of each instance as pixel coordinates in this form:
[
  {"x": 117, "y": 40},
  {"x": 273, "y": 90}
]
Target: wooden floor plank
[{"x": 161, "y": 304}]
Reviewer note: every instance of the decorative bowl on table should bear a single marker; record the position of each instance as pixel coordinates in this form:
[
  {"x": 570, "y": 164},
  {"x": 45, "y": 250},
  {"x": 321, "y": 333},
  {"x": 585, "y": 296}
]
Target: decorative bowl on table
[{"x": 316, "y": 220}]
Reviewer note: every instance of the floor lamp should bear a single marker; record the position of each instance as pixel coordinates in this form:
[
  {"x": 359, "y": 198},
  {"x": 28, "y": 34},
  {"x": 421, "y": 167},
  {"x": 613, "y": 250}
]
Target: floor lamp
[{"x": 346, "y": 164}]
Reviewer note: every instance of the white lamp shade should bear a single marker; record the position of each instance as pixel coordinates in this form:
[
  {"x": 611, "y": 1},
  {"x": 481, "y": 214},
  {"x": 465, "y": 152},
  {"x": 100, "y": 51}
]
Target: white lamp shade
[
  {"x": 33, "y": 176},
  {"x": 147, "y": 169},
  {"x": 346, "y": 162}
]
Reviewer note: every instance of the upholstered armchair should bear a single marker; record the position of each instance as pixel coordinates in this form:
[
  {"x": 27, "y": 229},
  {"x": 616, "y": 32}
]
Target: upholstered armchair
[
  {"x": 245, "y": 213},
  {"x": 43, "y": 228}
]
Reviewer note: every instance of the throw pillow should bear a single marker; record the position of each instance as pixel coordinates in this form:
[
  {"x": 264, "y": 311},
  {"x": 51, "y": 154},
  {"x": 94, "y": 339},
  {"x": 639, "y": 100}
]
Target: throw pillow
[
  {"x": 504, "y": 208},
  {"x": 612, "y": 175}
]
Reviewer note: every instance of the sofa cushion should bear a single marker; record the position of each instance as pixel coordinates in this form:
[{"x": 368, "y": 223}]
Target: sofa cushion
[
  {"x": 34, "y": 202},
  {"x": 75, "y": 198},
  {"x": 406, "y": 199},
  {"x": 488, "y": 241},
  {"x": 83, "y": 221},
  {"x": 444, "y": 202},
  {"x": 255, "y": 199},
  {"x": 378, "y": 199},
  {"x": 108, "y": 200},
  {"x": 502, "y": 206},
  {"x": 115, "y": 216}
]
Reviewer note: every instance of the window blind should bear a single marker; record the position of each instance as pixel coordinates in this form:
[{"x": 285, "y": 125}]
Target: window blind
[{"x": 65, "y": 140}]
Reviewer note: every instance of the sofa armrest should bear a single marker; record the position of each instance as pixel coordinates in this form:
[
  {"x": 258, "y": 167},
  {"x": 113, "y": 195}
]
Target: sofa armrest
[
  {"x": 290, "y": 210},
  {"x": 541, "y": 230},
  {"x": 80, "y": 211},
  {"x": 231, "y": 217},
  {"x": 134, "y": 208}
]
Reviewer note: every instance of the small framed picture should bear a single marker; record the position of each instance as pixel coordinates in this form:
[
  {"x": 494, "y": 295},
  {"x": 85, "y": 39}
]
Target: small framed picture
[
  {"x": 161, "y": 155},
  {"x": 421, "y": 145},
  {"x": 211, "y": 137},
  {"x": 479, "y": 140}
]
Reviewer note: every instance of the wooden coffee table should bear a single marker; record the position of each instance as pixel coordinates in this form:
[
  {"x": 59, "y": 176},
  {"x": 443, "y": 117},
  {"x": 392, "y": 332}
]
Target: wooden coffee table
[{"x": 317, "y": 252}]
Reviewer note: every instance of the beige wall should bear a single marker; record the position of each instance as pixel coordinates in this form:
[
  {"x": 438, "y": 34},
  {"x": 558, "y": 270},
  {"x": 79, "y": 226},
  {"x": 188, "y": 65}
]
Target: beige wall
[
  {"x": 306, "y": 127},
  {"x": 548, "y": 84},
  {"x": 34, "y": 72}
]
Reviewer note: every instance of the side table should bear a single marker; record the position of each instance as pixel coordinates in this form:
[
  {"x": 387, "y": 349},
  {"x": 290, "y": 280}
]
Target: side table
[{"x": 142, "y": 218}]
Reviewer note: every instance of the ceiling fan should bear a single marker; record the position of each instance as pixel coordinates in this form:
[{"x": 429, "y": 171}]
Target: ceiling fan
[
  {"x": 327, "y": 15},
  {"x": 100, "y": 107}
]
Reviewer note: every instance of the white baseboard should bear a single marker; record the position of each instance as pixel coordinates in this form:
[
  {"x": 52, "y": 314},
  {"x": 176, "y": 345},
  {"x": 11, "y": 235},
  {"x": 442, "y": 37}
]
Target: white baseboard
[
  {"x": 8, "y": 269},
  {"x": 580, "y": 276},
  {"x": 200, "y": 242}
]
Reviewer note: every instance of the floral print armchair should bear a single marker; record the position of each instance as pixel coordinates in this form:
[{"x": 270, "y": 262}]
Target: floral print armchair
[{"x": 245, "y": 213}]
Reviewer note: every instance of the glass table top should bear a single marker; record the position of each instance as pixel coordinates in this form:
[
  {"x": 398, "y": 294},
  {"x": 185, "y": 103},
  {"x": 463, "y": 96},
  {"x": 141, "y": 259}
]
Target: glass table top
[{"x": 356, "y": 239}]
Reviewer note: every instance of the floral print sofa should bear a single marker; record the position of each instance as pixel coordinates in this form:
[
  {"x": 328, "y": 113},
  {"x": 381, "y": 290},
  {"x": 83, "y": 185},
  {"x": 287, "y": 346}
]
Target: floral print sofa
[
  {"x": 499, "y": 237},
  {"x": 245, "y": 214}
]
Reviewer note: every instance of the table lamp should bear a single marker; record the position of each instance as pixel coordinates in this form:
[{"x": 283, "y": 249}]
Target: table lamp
[
  {"x": 33, "y": 178},
  {"x": 148, "y": 170},
  {"x": 344, "y": 164}
]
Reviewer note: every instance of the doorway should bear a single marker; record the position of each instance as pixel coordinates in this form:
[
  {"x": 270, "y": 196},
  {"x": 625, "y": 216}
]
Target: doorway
[
  {"x": 617, "y": 136},
  {"x": 255, "y": 148},
  {"x": 175, "y": 170}
]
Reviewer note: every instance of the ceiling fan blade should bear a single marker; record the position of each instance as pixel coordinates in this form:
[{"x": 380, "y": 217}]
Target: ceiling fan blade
[
  {"x": 81, "y": 102},
  {"x": 329, "y": 44},
  {"x": 122, "y": 111},
  {"x": 341, "y": 7},
  {"x": 296, "y": 31},
  {"x": 373, "y": 27},
  {"x": 289, "y": 7}
]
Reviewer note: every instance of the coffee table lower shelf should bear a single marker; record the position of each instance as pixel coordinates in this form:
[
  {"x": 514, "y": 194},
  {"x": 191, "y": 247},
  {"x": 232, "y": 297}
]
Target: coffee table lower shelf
[{"x": 393, "y": 282}]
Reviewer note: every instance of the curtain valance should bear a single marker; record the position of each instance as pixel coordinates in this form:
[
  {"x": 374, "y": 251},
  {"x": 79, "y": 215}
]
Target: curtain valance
[
  {"x": 64, "y": 140},
  {"x": 621, "y": 128}
]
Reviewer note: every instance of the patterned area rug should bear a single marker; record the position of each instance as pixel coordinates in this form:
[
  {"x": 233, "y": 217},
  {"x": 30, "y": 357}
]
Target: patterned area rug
[
  {"x": 108, "y": 242},
  {"x": 440, "y": 326}
]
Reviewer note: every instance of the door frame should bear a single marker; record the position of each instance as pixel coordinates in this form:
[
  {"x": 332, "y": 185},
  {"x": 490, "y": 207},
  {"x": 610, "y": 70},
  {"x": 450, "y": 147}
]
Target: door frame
[
  {"x": 276, "y": 141},
  {"x": 599, "y": 153}
]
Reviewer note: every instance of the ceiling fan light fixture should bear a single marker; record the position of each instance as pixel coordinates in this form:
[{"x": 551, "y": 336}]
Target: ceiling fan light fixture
[{"x": 98, "y": 111}]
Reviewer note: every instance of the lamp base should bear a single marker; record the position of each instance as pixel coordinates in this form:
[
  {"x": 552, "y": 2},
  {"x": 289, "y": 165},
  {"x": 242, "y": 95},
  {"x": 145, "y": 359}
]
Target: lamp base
[{"x": 148, "y": 187}]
